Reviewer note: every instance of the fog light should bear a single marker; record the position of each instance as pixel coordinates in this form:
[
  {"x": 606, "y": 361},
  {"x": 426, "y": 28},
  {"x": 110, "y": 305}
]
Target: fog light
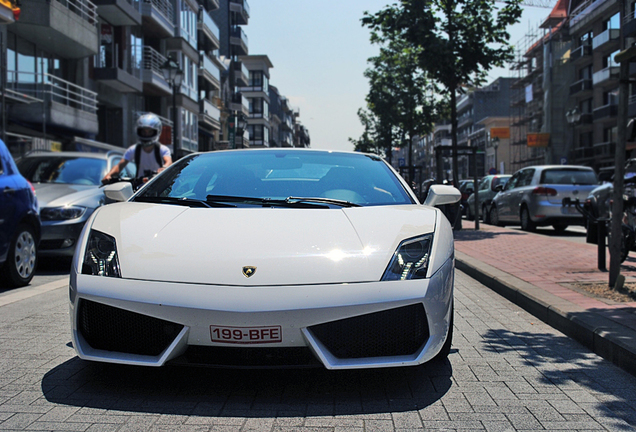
[{"x": 67, "y": 243}]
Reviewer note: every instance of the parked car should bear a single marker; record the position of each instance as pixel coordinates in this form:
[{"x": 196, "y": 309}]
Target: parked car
[
  {"x": 534, "y": 196},
  {"x": 316, "y": 257},
  {"x": 68, "y": 189},
  {"x": 19, "y": 224},
  {"x": 486, "y": 192},
  {"x": 466, "y": 187}
]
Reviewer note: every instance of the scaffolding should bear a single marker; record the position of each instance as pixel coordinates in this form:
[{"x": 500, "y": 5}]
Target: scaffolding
[{"x": 526, "y": 100}]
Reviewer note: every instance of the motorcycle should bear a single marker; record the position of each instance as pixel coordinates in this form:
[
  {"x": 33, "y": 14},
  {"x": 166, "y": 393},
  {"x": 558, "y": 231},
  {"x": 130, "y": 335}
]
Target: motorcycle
[{"x": 137, "y": 182}]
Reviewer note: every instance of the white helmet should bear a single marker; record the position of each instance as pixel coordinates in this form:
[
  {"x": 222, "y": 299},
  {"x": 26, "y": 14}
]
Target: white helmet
[{"x": 148, "y": 129}]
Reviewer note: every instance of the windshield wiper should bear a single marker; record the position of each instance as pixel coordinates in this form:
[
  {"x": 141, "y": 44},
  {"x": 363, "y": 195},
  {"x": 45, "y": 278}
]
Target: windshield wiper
[
  {"x": 341, "y": 203},
  {"x": 181, "y": 201}
]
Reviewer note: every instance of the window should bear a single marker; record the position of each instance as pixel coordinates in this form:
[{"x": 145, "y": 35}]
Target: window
[
  {"x": 610, "y": 97},
  {"x": 585, "y": 73},
  {"x": 613, "y": 23},
  {"x": 586, "y": 39},
  {"x": 188, "y": 23},
  {"x": 585, "y": 107},
  {"x": 610, "y": 135}
]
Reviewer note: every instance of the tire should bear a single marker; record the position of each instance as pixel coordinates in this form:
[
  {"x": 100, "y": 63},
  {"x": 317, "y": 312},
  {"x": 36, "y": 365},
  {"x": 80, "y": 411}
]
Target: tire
[
  {"x": 443, "y": 354},
  {"x": 485, "y": 214},
  {"x": 494, "y": 216},
  {"x": 19, "y": 268},
  {"x": 560, "y": 228},
  {"x": 526, "y": 222},
  {"x": 627, "y": 243}
]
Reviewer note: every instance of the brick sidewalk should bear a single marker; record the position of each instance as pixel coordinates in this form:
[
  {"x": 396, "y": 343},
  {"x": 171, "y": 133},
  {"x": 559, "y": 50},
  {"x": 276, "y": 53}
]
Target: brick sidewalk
[{"x": 545, "y": 265}]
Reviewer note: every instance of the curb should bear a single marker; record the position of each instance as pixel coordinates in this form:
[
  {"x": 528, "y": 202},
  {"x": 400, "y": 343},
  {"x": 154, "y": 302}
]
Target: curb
[{"x": 601, "y": 335}]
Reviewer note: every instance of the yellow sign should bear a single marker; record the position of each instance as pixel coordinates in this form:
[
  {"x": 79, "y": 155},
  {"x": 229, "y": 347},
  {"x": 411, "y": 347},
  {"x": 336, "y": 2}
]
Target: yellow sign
[
  {"x": 538, "y": 139},
  {"x": 500, "y": 132},
  {"x": 56, "y": 146}
]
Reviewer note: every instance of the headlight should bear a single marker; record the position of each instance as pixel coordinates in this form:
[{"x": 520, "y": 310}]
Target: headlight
[
  {"x": 410, "y": 260},
  {"x": 62, "y": 213},
  {"x": 101, "y": 258}
]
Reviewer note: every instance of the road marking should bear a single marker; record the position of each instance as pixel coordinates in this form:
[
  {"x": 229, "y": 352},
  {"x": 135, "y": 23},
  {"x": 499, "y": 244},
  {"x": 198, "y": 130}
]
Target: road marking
[{"x": 29, "y": 291}]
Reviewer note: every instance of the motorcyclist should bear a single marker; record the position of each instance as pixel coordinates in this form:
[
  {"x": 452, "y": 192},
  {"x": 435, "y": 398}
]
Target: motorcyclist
[{"x": 149, "y": 154}]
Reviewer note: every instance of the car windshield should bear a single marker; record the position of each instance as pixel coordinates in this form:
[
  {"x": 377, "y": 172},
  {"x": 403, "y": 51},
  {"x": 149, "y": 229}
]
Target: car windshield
[
  {"x": 63, "y": 169},
  {"x": 304, "y": 179},
  {"x": 566, "y": 176}
]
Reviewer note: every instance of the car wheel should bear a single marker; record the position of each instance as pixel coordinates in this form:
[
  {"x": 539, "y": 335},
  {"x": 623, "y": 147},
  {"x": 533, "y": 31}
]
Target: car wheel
[
  {"x": 494, "y": 216},
  {"x": 526, "y": 222},
  {"x": 560, "y": 228},
  {"x": 22, "y": 258},
  {"x": 485, "y": 214},
  {"x": 443, "y": 354},
  {"x": 469, "y": 214}
]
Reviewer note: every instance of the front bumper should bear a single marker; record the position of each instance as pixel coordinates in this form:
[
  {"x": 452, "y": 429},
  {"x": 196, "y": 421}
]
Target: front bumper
[
  {"x": 59, "y": 238},
  {"x": 343, "y": 326}
]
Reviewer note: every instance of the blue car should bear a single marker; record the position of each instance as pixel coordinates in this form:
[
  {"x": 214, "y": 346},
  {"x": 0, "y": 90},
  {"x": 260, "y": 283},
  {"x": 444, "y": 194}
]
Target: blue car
[{"x": 19, "y": 224}]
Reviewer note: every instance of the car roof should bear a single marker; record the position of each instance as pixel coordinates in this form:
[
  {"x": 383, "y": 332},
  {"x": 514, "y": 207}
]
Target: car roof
[{"x": 543, "y": 167}]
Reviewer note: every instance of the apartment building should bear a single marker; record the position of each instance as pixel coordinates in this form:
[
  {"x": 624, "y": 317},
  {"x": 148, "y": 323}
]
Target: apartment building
[{"x": 80, "y": 72}]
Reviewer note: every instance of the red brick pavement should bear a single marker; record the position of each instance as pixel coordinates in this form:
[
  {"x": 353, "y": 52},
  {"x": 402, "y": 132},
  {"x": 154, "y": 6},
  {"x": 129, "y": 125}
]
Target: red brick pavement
[{"x": 547, "y": 263}]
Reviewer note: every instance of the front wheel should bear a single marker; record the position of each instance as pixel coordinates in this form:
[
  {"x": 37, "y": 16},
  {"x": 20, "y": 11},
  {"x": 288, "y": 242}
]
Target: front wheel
[
  {"x": 19, "y": 268},
  {"x": 469, "y": 214},
  {"x": 485, "y": 214},
  {"x": 494, "y": 216},
  {"x": 526, "y": 222}
]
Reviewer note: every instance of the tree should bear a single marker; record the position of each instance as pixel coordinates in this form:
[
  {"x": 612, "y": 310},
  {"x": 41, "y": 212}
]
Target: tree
[
  {"x": 453, "y": 48},
  {"x": 401, "y": 98},
  {"x": 367, "y": 143}
]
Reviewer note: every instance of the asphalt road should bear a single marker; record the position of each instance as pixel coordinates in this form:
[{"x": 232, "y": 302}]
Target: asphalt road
[{"x": 507, "y": 371}]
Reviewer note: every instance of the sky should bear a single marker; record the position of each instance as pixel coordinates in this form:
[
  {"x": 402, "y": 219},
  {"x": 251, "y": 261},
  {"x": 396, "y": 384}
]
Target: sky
[{"x": 319, "y": 51}]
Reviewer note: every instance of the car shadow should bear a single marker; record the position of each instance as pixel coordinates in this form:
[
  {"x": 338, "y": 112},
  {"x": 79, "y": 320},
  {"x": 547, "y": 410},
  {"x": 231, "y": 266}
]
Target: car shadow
[
  {"x": 564, "y": 363},
  {"x": 472, "y": 235},
  {"x": 245, "y": 393}
]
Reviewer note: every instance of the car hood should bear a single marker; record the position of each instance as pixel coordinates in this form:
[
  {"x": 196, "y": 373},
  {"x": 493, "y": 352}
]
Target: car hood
[
  {"x": 286, "y": 246},
  {"x": 61, "y": 194}
]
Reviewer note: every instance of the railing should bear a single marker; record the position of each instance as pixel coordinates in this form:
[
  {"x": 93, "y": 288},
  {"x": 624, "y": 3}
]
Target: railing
[
  {"x": 240, "y": 67},
  {"x": 208, "y": 65},
  {"x": 609, "y": 110},
  {"x": 238, "y": 32},
  {"x": 210, "y": 110},
  {"x": 244, "y": 4},
  {"x": 153, "y": 60},
  {"x": 606, "y": 36},
  {"x": 580, "y": 52},
  {"x": 581, "y": 85},
  {"x": 49, "y": 87},
  {"x": 207, "y": 21},
  {"x": 605, "y": 149},
  {"x": 605, "y": 74},
  {"x": 164, "y": 7},
  {"x": 84, "y": 8}
]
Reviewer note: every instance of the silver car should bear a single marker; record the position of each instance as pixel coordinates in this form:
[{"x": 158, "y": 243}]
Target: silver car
[
  {"x": 487, "y": 189},
  {"x": 67, "y": 185},
  {"x": 534, "y": 195}
]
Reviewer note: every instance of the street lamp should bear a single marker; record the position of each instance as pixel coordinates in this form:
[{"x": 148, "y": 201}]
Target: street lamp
[
  {"x": 173, "y": 75},
  {"x": 241, "y": 124}
]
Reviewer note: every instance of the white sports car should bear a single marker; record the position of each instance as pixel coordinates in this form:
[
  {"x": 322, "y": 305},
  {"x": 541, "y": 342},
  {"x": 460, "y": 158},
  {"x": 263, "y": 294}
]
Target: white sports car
[{"x": 266, "y": 258}]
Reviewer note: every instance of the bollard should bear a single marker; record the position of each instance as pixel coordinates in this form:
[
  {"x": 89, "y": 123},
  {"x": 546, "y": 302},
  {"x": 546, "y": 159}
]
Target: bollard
[{"x": 601, "y": 228}]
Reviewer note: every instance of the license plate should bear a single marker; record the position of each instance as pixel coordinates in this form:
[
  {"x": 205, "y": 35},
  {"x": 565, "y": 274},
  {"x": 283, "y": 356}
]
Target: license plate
[{"x": 246, "y": 335}]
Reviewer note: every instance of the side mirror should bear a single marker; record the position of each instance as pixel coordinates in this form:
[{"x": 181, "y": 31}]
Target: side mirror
[
  {"x": 498, "y": 188},
  {"x": 118, "y": 192},
  {"x": 441, "y": 195}
]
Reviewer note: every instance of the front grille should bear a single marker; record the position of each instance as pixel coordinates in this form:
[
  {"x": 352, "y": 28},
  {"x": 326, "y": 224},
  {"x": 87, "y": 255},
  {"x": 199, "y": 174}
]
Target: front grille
[
  {"x": 112, "y": 329},
  {"x": 249, "y": 357},
  {"x": 393, "y": 332}
]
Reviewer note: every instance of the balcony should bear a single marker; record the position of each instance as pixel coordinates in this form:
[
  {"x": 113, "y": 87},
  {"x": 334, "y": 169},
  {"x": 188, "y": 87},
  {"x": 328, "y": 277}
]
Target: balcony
[
  {"x": 110, "y": 70},
  {"x": 583, "y": 154},
  {"x": 152, "y": 75},
  {"x": 604, "y": 150},
  {"x": 241, "y": 73},
  {"x": 607, "y": 76},
  {"x": 209, "y": 114},
  {"x": 238, "y": 39},
  {"x": 65, "y": 28},
  {"x": 629, "y": 25},
  {"x": 209, "y": 71},
  {"x": 606, "y": 112},
  {"x": 209, "y": 34},
  {"x": 157, "y": 18},
  {"x": 607, "y": 41},
  {"x": 119, "y": 12},
  {"x": 240, "y": 103},
  {"x": 581, "y": 87},
  {"x": 242, "y": 10},
  {"x": 287, "y": 139},
  {"x": 64, "y": 104},
  {"x": 581, "y": 53}
]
